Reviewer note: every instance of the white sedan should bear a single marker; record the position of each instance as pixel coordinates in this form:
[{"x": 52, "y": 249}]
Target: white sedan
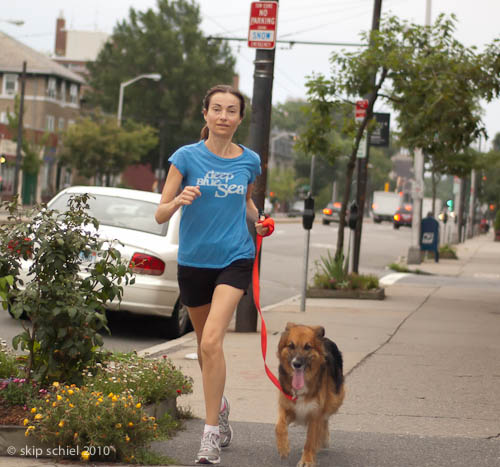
[{"x": 128, "y": 216}]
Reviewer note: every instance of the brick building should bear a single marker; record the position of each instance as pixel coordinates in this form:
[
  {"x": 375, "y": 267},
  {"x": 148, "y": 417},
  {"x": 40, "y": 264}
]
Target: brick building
[{"x": 51, "y": 103}]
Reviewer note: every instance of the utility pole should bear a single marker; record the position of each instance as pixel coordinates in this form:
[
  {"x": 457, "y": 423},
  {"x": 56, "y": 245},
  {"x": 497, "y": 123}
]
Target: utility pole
[
  {"x": 260, "y": 129},
  {"x": 362, "y": 175},
  {"x": 19, "y": 156},
  {"x": 414, "y": 255}
]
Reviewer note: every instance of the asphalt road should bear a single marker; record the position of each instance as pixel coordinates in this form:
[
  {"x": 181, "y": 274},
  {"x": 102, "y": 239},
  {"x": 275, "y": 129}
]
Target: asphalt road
[{"x": 281, "y": 275}]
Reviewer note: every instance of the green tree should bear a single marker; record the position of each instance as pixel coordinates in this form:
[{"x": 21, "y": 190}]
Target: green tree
[
  {"x": 168, "y": 41},
  {"x": 96, "y": 146},
  {"x": 284, "y": 184},
  {"x": 432, "y": 80}
]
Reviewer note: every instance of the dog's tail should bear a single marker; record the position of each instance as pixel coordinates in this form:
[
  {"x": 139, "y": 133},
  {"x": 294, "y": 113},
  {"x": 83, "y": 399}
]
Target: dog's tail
[{"x": 335, "y": 363}]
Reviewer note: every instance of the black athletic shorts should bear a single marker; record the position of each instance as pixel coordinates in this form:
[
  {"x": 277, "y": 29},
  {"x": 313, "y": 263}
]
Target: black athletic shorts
[{"x": 197, "y": 285}]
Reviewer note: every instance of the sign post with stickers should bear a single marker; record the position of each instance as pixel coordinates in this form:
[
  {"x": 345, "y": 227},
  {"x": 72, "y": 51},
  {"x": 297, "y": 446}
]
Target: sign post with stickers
[{"x": 263, "y": 23}]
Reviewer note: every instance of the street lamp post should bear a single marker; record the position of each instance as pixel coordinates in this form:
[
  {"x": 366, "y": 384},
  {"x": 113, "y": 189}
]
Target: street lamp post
[{"x": 153, "y": 76}]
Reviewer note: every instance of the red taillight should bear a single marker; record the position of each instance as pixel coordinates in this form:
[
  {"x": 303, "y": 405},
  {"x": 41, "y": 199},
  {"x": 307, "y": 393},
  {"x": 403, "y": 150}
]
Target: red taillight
[
  {"x": 397, "y": 217},
  {"x": 146, "y": 264},
  {"x": 337, "y": 204},
  {"x": 327, "y": 212}
]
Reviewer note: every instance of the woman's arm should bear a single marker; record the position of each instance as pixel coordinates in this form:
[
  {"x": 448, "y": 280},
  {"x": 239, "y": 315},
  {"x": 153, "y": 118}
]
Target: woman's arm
[{"x": 170, "y": 199}]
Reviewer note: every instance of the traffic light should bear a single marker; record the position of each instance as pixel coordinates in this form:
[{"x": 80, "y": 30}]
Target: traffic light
[{"x": 449, "y": 203}]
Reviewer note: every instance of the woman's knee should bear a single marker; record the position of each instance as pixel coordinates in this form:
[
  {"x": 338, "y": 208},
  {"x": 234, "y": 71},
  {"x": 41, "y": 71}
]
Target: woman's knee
[{"x": 210, "y": 346}]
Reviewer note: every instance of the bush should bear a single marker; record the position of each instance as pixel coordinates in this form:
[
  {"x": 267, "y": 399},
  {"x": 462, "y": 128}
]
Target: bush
[
  {"x": 331, "y": 273},
  {"x": 496, "y": 224},
  {"x": 66, "y": 310},
  {"x": 111, "y": 425},
  {"x": 149, "y": 380}
]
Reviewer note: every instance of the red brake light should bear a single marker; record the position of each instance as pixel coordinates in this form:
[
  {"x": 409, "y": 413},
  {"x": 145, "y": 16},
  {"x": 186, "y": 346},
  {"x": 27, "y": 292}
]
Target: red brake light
[
  {"x": 146, "y": 264},
  {"x": 397, "y": 217},
  {"x": 327, "y": 211},
  {"x": 337, "y": 204}
]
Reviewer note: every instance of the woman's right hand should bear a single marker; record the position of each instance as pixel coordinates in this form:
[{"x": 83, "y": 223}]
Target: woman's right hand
[{"x": 188, "y": 195}]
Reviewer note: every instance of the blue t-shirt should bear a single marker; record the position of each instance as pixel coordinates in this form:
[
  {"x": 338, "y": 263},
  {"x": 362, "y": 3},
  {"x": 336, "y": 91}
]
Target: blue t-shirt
[{"x": 213, "y": 230}]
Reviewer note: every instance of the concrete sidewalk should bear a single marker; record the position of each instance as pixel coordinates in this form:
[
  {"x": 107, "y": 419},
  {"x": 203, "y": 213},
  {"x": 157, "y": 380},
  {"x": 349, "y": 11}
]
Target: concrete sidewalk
[{"x": 422, "y": 362}]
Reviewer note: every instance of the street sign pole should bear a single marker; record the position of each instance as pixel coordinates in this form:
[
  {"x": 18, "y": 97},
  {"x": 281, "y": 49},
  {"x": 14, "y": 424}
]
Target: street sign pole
[{"x": 263, "y": 20}]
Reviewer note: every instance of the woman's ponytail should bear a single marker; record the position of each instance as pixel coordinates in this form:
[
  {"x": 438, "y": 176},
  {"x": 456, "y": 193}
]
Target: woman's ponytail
[{"x": 204, "y": 133}]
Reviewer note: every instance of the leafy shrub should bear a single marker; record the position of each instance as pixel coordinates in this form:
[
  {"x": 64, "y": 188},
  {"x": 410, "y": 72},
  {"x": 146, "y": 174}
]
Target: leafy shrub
[
  {"x": 331, "y": 273},
  {"x": 448, "y": 252},
  {"x": 496, "y": 224},
  {"x": 148, "y": 379},
  {"x": 66, "y": 310},
  {"x": 112, "y": 425}
]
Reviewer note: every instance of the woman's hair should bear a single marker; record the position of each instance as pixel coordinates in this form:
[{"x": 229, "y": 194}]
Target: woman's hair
[{"x": 208, "y": 96}]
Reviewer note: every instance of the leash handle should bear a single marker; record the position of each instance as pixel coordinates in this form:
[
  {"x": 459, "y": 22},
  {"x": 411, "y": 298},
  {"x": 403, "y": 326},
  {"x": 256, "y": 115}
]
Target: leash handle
[{"x": 263, "y": 329}]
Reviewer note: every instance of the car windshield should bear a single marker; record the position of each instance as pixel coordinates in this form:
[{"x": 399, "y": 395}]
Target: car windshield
[{"x": 115, "y": 211}]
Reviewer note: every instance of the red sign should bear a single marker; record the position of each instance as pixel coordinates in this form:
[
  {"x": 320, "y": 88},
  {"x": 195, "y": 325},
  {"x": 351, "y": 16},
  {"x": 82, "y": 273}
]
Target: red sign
[
  {"x": 360, "y": 112},
  {"x": 263, "y": 24}
]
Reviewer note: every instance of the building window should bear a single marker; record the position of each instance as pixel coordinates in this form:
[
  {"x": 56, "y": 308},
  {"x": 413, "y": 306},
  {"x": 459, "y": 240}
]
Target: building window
[
  {"x": 60, "y": 124},
  {"x": 10, "y": 84},
  {"x": 50, "y": 123},
  {"x": 52, "y": 88},
  {"x": 63, "y": 91},
  {"x": 3, "y": 118},
  {"x": 70, "y": 122},
  {"x": 73, "y": 94}
]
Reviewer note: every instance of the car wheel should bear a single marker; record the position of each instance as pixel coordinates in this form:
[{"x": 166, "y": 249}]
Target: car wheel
[
  {"x": 179, "y": 323},
  {"x": 396, "y": 226},
  {"x": 325, "y": 222}
]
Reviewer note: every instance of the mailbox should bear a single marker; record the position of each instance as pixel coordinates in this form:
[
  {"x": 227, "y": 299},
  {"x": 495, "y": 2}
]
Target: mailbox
[
  {"x": 308, "y": 215},
  {"x": 429, "y": 236}
]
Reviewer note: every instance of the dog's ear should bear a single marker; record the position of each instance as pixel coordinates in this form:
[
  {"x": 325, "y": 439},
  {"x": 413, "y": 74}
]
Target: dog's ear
[
  {"x": 319, "y": 331},
  {"x": 289, "y": 326}
]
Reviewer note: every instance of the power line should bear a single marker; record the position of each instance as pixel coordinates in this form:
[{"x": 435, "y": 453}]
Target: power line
[{"x": 291, "y": 42}]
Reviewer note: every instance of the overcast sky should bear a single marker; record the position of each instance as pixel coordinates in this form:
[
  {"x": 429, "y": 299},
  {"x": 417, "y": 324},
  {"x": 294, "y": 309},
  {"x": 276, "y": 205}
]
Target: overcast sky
[{"x": 304, "y": 20}]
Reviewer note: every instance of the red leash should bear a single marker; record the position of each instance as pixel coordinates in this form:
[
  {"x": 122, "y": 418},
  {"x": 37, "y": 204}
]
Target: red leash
[{"x": 269, "y": 223}]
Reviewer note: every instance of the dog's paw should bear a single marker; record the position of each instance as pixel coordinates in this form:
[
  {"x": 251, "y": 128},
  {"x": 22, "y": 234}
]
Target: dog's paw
[
  {"x": 303, "y": 463},
  {"x": 284, "y": 449}
]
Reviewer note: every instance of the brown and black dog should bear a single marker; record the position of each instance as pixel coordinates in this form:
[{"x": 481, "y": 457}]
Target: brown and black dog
[{"x": 311, "y": 370}]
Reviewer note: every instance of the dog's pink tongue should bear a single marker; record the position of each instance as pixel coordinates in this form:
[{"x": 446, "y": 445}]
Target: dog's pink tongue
[{"x": 298, "y": 379}]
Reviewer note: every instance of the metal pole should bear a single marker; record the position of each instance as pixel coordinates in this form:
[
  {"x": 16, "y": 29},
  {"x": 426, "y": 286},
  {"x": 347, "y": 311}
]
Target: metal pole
[
  {"x": 120, "y": 105},
  {"x": 304, "y": 271},
  {"x": 260, "y": 129},
  {"x": 19, "y": 156}
]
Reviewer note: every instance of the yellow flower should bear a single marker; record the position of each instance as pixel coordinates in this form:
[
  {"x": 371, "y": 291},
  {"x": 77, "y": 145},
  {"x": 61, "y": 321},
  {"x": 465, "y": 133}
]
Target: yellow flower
[
  {"x": 130, "y": 424},
  {"x": 110, "y": 395},
  {"x": 85, "y": 455},
  {"x": 55, "y": 384},
  {"x": 118, "y": 425},
  {"x": 60, "y": 424},
  {"x": 72, "y": 405},
  {"x": 127, "y": 439},
  {"x": 29, "y": 430},
  {"x": 100, "y": 399},
  {"x": 138, "y": 405},
  {"x": 38, "y": 416},
  {"x": 54, "y": 404},
  {"x": 75, "y": 436},
  {"x": 25, "y": 421},
  {"x": 71, "y": 392},
  {"x": 59, "y": 397},
  {"x": 33, "y": 410}
]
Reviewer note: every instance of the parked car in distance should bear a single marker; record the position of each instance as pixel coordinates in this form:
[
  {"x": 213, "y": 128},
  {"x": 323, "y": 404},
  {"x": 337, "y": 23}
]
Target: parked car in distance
[
  {"x": 296, "y": 209},
  {"x": 149, "y": 248},
  {"x": 331, "y": 213},
  {"x": 403, "y": 216}
]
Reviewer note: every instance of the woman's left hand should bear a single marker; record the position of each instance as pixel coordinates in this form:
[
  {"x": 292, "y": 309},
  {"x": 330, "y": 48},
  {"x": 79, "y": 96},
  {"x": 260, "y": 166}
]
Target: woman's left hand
[{"x": 261, "y": 229}]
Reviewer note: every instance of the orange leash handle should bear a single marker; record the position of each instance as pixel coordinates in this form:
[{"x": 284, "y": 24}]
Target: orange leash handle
[{"x": 256, "y": 298}]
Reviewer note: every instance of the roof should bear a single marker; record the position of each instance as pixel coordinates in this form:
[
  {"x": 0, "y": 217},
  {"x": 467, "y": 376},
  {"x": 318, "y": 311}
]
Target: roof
[{"x": 14, "y": 53}]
